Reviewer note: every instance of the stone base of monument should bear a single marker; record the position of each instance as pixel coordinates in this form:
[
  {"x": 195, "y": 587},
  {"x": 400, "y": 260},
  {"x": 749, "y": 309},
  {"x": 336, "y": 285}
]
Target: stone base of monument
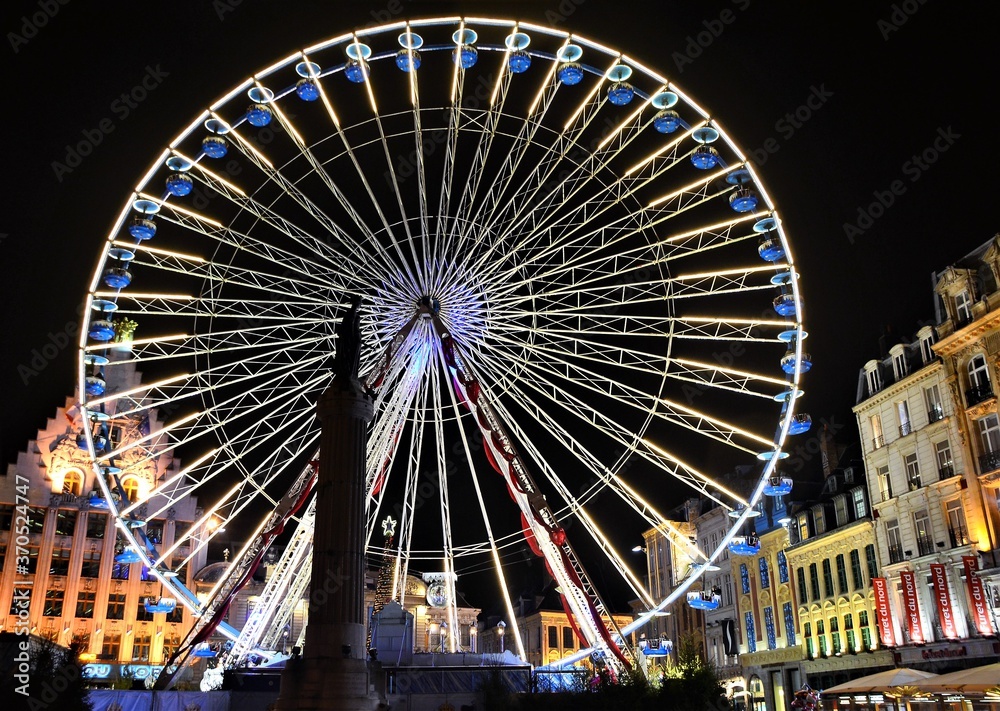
[{"x": 325, "y": 685}]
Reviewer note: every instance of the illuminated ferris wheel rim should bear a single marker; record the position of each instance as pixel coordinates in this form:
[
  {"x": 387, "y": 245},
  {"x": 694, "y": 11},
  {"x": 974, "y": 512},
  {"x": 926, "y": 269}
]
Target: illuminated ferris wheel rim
[{"x": 149, "y": 202}]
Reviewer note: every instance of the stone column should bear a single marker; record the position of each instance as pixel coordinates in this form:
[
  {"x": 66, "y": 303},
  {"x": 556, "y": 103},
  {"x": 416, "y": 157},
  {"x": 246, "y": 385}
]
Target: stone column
[{"x": 333, "y": 671}]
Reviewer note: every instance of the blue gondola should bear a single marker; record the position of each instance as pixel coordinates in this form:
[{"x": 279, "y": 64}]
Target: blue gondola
[
  {"x": 705, "y": 158},
  {"x": 129, "y": 555},
  {"x": 117, "y": 277},
  {"x": 164, "y": 604},
  {"x": 800, "y": 424},
  {"x": 466, "y": 55},
  {"x": 204, "y": 650},
  {"x": 704, "y": 600},
  {"x": 778, "y": 486},
  {"x": 667, "y": 121},
  {"x": 744, "y": 545},
  {"x": 519, "y": 61},
  {"x": 656, "y": 647},
  {"x": 356, "y": 71},
  {"x": 570, "y": 73},
  {"x": 142, "y": 228},
  {"x": 97, "y": 500},
  {"x": 784, "y": 304},
  {"x": 214, "y": 146},
  {"x": 307, "y": 90},
  {"x": 179, "y": 184},
  {"x": 94, "y": 385},
  {"x": 101, "y": 330},
  {"x": 258, "y": 115},
  {"x": 621, "y": 93},
  {"x": 743, "y": 200},
  {"x": 408, "y": 60},
  {"x": 788, "y": 362}
]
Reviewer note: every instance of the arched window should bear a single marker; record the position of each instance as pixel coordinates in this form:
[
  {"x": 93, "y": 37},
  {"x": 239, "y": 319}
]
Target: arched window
[
  {"x": 130, "y": 485},
  {"x": 72, "y": 482}
]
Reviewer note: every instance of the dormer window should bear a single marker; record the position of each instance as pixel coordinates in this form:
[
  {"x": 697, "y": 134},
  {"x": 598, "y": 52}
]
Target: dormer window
[
  {"x": 926, "y": 336},
  {"x": 899, "y": 366},
  {"x": 963, "y": 308},
  {"x": 873, "y": 377}
]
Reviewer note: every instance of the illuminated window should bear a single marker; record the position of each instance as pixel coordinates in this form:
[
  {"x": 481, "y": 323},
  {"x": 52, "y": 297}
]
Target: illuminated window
[
  {"x": 130, "y": 485},
  {"x": 782, "y": 567},
  {"x": 73, "y": 483},
  {"x": 765, "y": 576},
  {"x": 751, "y": 632},
  {"x": 789, "y": 615}
]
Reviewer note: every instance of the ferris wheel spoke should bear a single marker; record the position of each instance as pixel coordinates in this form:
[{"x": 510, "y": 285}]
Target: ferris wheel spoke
[{"x": 214, "y": 307}]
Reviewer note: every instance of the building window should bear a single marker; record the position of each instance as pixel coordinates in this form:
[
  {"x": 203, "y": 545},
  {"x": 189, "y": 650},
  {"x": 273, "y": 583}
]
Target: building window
[
  {"x": 141, "y": 613},
  {"x": 66, "y": 522},
  {"x": 957, "y": 530},
  {"x": 772, "y": 641},
  {"x": 926, "y": 352},
  {"x": 870, "y": 561},
  {"x": 788, "y": 613},
  {"x": 821, "y": 636},
  {"x": 819, "y": 520},
  {"x": 814, "y": 580},
  {"x": 72, "y": 483},
  {"x": 884, "y": 484},
  {"x": 852, "y": 644},
  {"x": 963, "y": 308},
  {"x": 866, "y": 633},
  {"x": 53, "y": 603},
  {"x": 922, "y": 527},
  {"x": 782, "y": 567},
  {"x": 116, "y": 607},
  {"x": 903, "y": 415},
  {"x": 856, "y": 569},
  {"x": 840, "y": 509},
  {"x": 827, "y": 578},
  {"x": 745, "y": 578},
  {"x": 553, "y": 637},
  {"x": 835, "y": 635},
  {"x": 979, "y": 381},
  {"x": 85, "y": 604},
  {"x": 878, "y": 438},
  {"x": 119, "y": 571},
  {"x": 989, "y": 436},
  {"x": 140, "y": 648},
  {"x": 932, "y": 398},
  {"x": 97, "y": 524},
  {"x": 842, "y": 574},
  {"x": 130, "y": 485},
  {"x": 765, "y": 576},
  {"x": 567, "y": 637},
  {"x": 899, "y": 367},
  {"x": 874, "y": 380},
  {"x": 858, "y": 501},
  {"x": 946, "y": 467},
  {"x": 111, "y": 647},
  {"x": 895, "y": 540},
  {"x": 807, "y": 633},
  {"x": 59, "y": 561},
  {"x": 802, "y": 586},
  {"x": 803, "y": 526},
  {"x": 912, "y": 470},
  {"x": 751, "y": 632}
]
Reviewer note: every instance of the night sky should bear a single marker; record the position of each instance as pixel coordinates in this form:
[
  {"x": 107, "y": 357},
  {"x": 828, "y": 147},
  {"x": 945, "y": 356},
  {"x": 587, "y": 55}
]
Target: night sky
[{"x": 842, "y": 107}]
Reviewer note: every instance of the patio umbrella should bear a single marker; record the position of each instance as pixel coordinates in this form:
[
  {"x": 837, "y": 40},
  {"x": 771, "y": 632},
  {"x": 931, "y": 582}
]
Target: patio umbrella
[
  {"x": 881, "y": 682},
  {"x": 978, "y": 679}
]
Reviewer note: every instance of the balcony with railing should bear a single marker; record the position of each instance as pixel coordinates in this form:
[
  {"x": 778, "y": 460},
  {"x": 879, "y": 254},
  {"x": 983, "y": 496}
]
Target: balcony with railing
[
  {"x": 946, "y": 472},
  {"x": 896, "y": 554},
  {"x": 905, "y": 428},
  {"x": 878, "y": 442},
  {"x": 978, "y": 393},
  {"x": 990, "y": 461},
  {"x": 925, "y": 546},
  {"x": 935, "y": 413},
  {"x": 958, "y": 536}
]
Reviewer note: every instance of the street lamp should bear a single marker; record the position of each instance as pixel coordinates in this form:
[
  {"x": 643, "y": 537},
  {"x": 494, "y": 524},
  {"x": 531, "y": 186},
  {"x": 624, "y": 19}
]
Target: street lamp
[
  {"x": 501, "y": 631},
  {"x": 638, "y": 549},
  {"x": 472, "y": 638}
]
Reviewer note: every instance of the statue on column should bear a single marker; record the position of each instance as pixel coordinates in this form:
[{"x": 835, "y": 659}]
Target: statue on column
[{"x": 348, "y": 356}]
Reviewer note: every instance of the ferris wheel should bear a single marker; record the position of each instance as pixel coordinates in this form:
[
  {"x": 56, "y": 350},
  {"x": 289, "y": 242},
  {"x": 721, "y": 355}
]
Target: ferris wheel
[{"x": 579, "y": 308}]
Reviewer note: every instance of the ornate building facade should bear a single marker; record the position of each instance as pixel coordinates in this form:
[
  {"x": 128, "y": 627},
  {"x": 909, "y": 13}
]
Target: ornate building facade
[
  {"x": 928, "y": 420},
  {"x": 78, "y": 592}
]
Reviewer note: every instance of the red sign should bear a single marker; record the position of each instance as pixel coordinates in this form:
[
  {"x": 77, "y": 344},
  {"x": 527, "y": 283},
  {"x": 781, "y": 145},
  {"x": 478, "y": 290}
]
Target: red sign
[
  {"x": 977, "y": 596},
  {"x": 911, "y": 606},
  {"x": 882, "y": 612},
  {"x": 939, "y": 580}
]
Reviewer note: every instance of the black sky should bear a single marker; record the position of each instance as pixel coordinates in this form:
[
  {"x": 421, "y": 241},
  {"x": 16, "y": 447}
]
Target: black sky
[{"x": 833, "y": 100}]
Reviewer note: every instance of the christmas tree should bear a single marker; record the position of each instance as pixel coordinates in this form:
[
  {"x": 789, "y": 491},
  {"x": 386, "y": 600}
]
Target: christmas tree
[{"x": 383, "y": 584}]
